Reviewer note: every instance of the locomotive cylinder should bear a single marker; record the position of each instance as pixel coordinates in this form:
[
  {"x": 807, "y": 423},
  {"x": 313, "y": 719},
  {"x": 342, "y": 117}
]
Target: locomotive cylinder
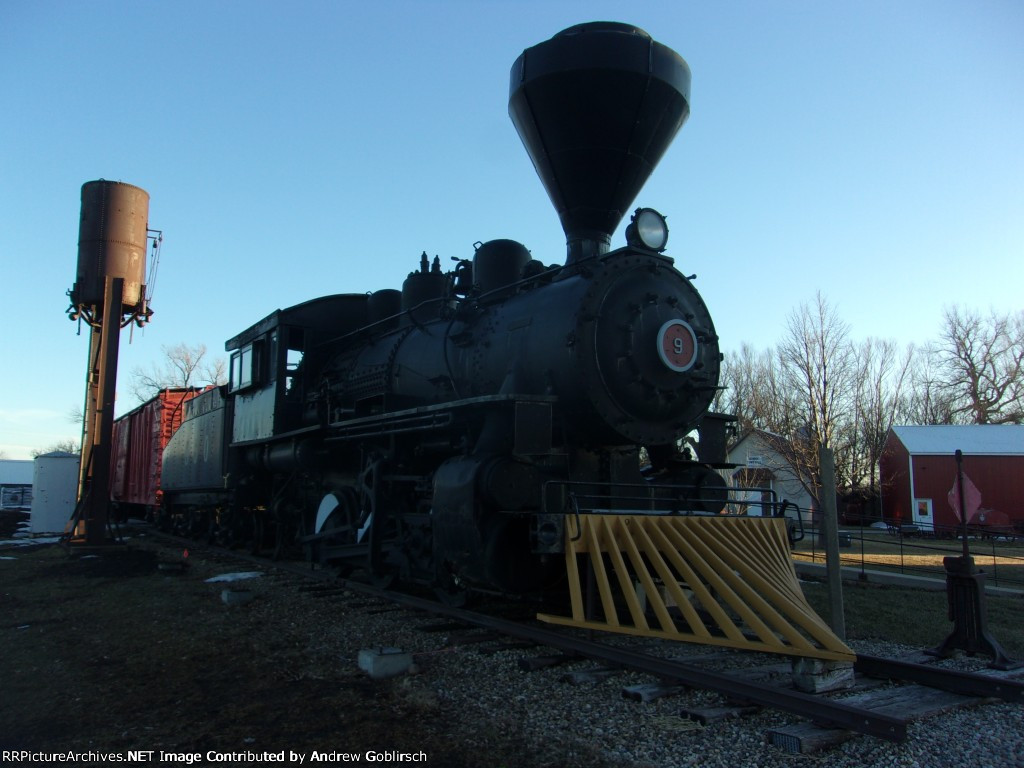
[
  {"x": 111, "y": 242},
  {"x": 284, "y": 457}
]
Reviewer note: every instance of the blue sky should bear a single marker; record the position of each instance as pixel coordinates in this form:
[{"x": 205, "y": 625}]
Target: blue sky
[{"x": 870, "y": 150}]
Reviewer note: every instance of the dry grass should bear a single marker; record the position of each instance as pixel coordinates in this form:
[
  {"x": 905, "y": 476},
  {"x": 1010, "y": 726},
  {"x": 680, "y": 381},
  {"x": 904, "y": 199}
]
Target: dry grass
[
  {"x": 111, "y": 654},
  {"x": 1002, "y": 560},
  {"x": 915, "y": 616}
]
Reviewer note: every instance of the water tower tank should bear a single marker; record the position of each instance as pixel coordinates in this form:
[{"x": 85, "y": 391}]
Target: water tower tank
[{"x": 111, "y": 241}]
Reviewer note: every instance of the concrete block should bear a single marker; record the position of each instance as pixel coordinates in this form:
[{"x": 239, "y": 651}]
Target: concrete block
[
  {"x": 384, "y": 662},
  {"x": 819, "y": 676},
  {"x": 236, "y": 596}
]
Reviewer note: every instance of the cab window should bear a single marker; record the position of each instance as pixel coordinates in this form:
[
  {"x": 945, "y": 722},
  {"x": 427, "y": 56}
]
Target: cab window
[{"x": 245, "y": 367}]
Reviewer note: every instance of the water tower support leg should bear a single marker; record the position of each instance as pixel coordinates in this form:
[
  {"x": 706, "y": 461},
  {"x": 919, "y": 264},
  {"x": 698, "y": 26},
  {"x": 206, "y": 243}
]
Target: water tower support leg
[{"x": 97, "y": 511}]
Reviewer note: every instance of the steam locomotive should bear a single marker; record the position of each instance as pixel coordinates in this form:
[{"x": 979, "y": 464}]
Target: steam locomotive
[
  {"x": 460, "y": 432},
  {"x": 430, "y": 433}
]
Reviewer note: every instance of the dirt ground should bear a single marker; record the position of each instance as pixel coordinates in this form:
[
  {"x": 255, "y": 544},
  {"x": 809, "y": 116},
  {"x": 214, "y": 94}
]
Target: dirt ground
[{"x": 112, "y": 653}]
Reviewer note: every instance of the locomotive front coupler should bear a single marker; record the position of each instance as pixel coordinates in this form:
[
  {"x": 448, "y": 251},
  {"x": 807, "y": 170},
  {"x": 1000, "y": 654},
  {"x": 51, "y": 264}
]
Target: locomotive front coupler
[{"x": 547, "y": 534}]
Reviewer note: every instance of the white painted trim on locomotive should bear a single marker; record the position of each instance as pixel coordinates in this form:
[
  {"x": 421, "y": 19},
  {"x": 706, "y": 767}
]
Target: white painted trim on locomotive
[{"x": 328, "y": 504}]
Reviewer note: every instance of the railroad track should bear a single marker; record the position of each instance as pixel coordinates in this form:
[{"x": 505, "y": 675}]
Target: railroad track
[{"x": 871, "y": 708}]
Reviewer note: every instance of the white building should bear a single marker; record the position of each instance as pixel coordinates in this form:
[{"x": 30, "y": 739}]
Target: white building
[
  {"x": 762, "y": 467},
  {"x": 15, "y": 484}
]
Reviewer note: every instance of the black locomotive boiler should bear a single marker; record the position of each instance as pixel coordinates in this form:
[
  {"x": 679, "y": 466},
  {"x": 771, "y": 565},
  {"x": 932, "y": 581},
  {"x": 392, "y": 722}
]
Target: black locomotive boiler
[{"x": 499, "y": 426}]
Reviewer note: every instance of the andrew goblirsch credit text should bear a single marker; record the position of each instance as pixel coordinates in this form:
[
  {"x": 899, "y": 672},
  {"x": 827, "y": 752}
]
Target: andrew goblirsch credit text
[{"x": 201, "y": 758}]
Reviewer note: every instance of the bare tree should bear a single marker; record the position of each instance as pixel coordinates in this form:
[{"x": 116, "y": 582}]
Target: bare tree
[
  {"x": 76, "y": 415},
  {"x": 927, "y": 402},
  {"x": 817, "y": 388},
  {"x": 740, "y": 387},
  {"x": 182, "y": 366},
  {"x": 882, "y": 379},
  {"x": 757, "y": 392},
  {"x": 62, "y": 446},
  {"x": 979, "y": 365},
  {"x": 817, "y": 359}
]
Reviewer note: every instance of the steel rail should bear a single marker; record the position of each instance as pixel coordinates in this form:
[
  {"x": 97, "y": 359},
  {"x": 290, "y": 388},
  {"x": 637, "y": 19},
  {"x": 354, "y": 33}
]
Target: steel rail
[
  {"x": 816, "y": 708},
  {"x": 953, "y": 681}
]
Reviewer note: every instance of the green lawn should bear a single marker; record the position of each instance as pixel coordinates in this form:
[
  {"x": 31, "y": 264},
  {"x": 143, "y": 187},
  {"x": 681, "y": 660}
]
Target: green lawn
[{"x": 914, "y": 616}]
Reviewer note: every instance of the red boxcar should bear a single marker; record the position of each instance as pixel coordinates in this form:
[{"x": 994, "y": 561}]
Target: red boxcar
[{"x": 140, "y": 437}]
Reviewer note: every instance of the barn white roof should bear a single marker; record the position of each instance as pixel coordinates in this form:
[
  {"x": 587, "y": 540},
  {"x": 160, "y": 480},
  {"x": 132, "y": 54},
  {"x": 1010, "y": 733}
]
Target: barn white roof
[{"x": 977, "y": 439}]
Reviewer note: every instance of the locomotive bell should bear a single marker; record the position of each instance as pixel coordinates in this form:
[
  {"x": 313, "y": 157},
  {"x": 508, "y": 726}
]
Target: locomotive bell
[{"x": 596, "y": 106}]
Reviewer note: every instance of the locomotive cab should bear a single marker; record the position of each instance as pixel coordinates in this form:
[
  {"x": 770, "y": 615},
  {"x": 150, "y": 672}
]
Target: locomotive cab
[{"x": 268, "y": 362}]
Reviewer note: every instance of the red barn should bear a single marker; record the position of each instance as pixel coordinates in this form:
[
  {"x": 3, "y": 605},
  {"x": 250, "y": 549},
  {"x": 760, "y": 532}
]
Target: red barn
[
  {"x": 918, "y": 468},
  {"x": 138, "y": 448}
]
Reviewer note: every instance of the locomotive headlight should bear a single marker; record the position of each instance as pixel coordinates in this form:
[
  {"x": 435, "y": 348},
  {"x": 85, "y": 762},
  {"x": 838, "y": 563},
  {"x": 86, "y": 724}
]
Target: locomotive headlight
[{"x": 647, "y": 229}]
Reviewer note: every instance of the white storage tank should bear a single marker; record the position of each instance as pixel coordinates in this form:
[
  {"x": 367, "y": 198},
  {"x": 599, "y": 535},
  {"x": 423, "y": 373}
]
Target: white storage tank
[{"x": 54, "y": 492}]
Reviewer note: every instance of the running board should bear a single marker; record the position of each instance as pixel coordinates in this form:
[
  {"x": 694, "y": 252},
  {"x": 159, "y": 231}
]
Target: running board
[{"x": 714, "y": 580}]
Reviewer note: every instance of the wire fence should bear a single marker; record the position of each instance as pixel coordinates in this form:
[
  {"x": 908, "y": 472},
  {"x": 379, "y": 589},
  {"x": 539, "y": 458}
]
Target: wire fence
[{"x": 886, "y": 548}]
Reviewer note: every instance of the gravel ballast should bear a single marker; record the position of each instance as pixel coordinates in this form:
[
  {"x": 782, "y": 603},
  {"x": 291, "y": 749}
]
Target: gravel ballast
[{"x": 97, "y": 658}]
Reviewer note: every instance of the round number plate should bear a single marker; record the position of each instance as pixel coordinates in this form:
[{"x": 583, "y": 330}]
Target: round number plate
[{"x": 677, "y": 345}]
